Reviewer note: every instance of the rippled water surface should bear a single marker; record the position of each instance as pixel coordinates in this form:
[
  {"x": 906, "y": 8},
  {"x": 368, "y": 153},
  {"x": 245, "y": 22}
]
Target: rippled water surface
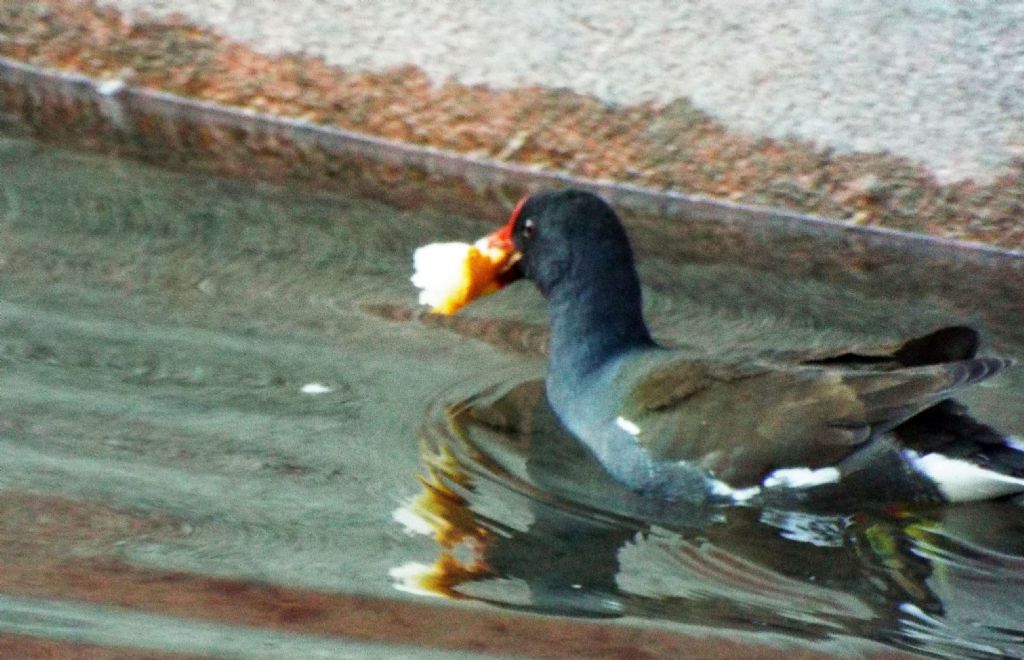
[
  {"x": 220, "y": 412},
  {"x": 524, "y": 516}
]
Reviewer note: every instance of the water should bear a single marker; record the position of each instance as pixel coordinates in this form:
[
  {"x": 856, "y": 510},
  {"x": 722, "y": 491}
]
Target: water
[
  {"x": 524, "y": 517},
  {"x": 214, "y": 396}
]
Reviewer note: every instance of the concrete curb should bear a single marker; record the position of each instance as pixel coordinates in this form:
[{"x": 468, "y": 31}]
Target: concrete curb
[{"x": 190, "y": 134}]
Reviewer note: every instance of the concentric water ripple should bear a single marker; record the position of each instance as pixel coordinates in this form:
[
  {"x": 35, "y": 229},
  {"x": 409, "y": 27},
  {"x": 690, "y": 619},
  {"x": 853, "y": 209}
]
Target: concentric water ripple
[{"x": 525, "y": 518}]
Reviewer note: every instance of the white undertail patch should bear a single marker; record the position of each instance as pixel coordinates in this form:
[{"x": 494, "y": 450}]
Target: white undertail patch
[{"x": 962, "y": 481}]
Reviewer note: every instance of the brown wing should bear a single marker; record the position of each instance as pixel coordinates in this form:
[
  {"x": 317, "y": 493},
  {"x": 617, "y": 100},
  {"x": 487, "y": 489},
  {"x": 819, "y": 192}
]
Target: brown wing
[
  {"x": 743, "y": 422},
  {"x": 948, "y": 344}
]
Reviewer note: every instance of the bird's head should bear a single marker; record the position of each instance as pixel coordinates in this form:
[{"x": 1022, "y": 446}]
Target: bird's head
[
  {"x": 555, "y": 235},
  {"x": 567, "y": 241}
]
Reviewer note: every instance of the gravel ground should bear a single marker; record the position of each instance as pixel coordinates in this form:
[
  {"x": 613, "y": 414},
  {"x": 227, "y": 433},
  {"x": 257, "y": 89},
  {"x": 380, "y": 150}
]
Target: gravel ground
[
  {"x": 941, "y": 83},
  {"x": 907, "y": 116}
]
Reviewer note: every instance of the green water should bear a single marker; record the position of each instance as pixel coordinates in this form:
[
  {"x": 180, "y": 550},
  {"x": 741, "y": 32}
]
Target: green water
[{"x": 157, "y": 331}]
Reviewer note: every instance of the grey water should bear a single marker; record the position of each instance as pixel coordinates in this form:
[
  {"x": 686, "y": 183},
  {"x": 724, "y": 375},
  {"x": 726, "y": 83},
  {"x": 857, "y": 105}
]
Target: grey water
[{"x": 242, "y": 367}]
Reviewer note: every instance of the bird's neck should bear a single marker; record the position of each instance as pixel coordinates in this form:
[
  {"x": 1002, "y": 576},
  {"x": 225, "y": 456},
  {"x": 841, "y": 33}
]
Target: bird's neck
[{"x": 594, "y": 319}]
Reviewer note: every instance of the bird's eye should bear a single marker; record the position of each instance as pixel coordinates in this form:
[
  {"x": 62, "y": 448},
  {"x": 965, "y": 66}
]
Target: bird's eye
[{"x": 529, "y": 227}]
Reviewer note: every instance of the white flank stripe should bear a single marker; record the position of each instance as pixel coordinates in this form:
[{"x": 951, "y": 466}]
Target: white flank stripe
[
  {"x": 801, "y": 477},
  {"x": 723, "y": 489},
  {"x": 627, "y": 426},
  {"x": 962, "y": 481}
]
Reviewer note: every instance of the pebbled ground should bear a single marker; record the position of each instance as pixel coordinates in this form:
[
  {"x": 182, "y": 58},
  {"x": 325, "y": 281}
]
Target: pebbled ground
[{"x": 906, "y": 116}]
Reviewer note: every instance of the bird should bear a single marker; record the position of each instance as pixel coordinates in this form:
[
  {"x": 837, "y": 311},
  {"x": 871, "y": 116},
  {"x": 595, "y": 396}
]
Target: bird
[{"x": 878, "y": 425}]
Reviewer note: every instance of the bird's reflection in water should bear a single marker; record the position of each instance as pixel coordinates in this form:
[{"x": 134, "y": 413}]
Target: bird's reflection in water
[{"x": 525, "y": 518}]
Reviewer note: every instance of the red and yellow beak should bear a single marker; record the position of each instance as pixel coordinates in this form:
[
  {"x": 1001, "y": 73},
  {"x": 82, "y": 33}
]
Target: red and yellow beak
[
  {"x": 501, "y": 242},
  {"x": 452, "y": 275},
  {"x": 502, "y": 239}
]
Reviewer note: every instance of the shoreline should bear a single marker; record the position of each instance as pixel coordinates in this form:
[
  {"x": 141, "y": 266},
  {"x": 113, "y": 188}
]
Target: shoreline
[{"x": 672, "y": 147}]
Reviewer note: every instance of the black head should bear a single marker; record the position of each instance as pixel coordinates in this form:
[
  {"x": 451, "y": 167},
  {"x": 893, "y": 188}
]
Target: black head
[{"x": 566, "y": 236}]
